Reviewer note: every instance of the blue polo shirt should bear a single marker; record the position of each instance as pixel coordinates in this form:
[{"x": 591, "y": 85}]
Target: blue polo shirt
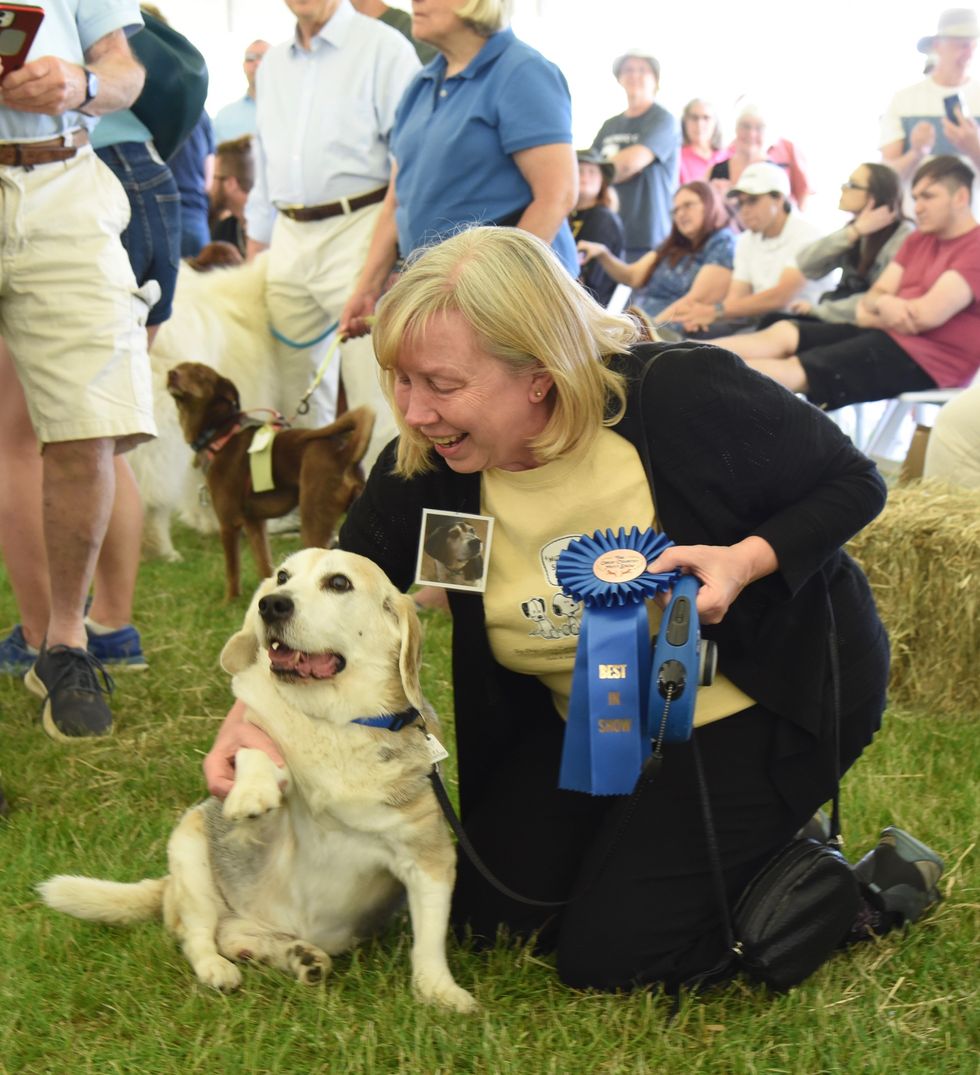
[{"x": 454, "y": 139}]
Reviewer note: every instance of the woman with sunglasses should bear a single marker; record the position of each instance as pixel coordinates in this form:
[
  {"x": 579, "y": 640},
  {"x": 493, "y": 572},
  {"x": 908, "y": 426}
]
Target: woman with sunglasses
[{"x": 862, "y": 247}]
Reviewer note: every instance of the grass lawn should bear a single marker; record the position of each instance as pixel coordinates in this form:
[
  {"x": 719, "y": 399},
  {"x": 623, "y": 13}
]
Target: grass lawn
[{"x": 77, "y": 997}]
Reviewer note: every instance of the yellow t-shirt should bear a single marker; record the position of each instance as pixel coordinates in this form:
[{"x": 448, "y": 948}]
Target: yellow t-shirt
[{"x": 533, "y": 627}]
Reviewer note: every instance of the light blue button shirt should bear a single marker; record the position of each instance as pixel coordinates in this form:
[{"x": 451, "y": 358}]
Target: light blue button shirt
[
  {"x": 234, "y": 120},
  {"x": 324, "y": 115},
  {"x": 69, "y": 28}
]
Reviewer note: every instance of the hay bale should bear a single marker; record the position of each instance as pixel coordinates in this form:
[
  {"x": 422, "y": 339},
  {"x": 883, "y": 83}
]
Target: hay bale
[{"x": 922, "y": 558}]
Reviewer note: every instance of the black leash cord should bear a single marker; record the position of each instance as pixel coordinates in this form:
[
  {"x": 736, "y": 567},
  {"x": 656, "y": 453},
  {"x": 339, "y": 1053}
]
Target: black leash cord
[{"x": 464, "y": 842}]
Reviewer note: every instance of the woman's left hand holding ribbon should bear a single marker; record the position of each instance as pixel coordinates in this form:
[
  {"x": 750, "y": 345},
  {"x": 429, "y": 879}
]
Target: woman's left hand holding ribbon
[{"x": 723, "y": 570}]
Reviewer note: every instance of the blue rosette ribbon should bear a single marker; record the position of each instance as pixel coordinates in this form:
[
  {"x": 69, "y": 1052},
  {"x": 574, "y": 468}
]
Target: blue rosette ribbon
[{"x": 607, "y": 737}]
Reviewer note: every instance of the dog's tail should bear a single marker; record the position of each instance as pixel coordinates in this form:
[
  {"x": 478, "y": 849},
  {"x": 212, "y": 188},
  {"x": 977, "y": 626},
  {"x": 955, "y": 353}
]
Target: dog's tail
[
  {"x": 104, "y": 901},
  {"x": 357, "y": 426}
]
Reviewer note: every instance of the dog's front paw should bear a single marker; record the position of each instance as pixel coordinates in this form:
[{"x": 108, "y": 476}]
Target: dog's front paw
[
  {"x": 442, "y": 990},
  {"x": 251, "y": 800},
  {"x": 219, "y": 973},
  {"x": 309, "y": 963}
]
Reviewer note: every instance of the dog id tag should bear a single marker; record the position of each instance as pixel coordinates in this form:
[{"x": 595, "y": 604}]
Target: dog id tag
[{"x": 437, "y": 752}]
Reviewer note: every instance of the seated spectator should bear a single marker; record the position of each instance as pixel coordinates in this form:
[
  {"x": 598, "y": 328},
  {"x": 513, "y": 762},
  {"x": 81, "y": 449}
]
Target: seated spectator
[
  {"x": 643, "y": 144},
  {"x": 953, "y": 451},
  {"x": 862, "y": 249},
  {"x": 918, "y": 326},
  {"x": 765, "y": 276},
  {"x": 749, "y": 147},
  {"x": 701, "y": 141},
  {"x": 594, "y": 220},
  {"x": 234, "y": 177},
  {"x": 694, "y": 262}
]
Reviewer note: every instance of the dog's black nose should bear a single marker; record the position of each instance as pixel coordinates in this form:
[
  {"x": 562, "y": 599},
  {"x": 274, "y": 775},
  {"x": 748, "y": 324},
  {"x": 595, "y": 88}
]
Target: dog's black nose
[{"x": 276, "y": 607}]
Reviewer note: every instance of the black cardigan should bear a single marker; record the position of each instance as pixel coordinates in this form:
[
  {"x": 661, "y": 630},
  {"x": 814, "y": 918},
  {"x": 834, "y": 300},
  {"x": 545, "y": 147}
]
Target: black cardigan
[{"x": 728, "y": 453}]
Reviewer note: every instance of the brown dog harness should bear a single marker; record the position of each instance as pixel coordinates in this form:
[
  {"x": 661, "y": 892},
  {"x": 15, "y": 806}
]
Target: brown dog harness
[{"x": 211, "y": 441}]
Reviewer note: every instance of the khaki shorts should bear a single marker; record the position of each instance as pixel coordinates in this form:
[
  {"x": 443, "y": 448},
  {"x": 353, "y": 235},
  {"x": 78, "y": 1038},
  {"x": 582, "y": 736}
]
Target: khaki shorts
[{"x": 70, "y": 310}]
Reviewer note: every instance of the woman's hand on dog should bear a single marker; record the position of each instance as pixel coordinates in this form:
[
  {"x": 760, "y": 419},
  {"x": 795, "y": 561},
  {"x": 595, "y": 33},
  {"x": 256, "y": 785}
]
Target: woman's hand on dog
[
  {"x": 723, "y": 570},
  {"x": 236, "y": 732}
]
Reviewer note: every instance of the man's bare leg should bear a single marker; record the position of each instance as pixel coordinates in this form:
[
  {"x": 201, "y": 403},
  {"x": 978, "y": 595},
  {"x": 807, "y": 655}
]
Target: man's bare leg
[
  {"x": 119, "y": 558},
  {"x": 780, "y": 340},
  {"x": 79, "y": 484},
  {"x": 788, "y": 372},
  {"x": 21, "y": 527}
]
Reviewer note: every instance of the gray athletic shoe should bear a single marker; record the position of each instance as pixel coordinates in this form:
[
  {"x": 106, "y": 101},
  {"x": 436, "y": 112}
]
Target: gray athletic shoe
[{"x": 900, "y": 876}]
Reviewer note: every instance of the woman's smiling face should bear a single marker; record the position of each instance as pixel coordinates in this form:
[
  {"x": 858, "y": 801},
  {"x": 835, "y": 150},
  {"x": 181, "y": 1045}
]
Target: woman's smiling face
[{"x": 475, "y": 410}]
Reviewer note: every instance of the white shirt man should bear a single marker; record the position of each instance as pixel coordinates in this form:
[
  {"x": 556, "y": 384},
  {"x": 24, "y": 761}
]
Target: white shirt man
[
  {"x": 916, "y": 124},
  {"x": 326, "y": 105},
  {"x": 765, "y": 276}
]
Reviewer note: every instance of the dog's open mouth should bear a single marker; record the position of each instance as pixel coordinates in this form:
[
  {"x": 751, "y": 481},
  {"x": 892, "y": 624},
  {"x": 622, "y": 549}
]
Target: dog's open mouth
[{"x": 294, "y": 663}]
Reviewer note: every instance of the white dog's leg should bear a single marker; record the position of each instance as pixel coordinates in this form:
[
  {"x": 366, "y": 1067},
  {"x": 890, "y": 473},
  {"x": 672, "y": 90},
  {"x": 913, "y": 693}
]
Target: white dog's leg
[
  {"x": 256, "y": 790},
  {"x": 428, "y": 905},
  {"x": 245, "y": 941},
  {"x": 193, "y": 906}
]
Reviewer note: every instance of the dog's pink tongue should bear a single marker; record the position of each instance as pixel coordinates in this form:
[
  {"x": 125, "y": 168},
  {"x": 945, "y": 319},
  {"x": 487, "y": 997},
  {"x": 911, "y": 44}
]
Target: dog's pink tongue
[{"x": 317, "y": 665}]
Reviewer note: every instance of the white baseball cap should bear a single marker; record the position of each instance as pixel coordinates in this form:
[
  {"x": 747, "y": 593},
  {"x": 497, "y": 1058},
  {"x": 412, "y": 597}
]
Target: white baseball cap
[{"x": 763, "y": 177}]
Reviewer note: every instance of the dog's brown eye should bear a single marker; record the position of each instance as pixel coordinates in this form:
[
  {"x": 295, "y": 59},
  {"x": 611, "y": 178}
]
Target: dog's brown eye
[
  {"x": 282, "y": 577},
  {"x": 338, "y": 583}
]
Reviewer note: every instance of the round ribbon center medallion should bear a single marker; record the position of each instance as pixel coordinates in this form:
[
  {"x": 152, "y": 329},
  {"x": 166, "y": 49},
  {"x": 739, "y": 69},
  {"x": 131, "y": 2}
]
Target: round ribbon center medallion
[{"x": 619, "y": 565}]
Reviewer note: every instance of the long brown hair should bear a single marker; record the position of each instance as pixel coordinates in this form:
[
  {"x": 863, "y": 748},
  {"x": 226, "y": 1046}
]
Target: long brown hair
[
  {"x": 884, "y": 188},
  {"x": 676, "y": 245}
]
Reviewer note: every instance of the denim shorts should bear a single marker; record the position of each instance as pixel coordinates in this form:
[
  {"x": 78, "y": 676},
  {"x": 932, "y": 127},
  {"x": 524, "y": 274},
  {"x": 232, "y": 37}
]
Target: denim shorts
[{"x": 152, "y": 239}]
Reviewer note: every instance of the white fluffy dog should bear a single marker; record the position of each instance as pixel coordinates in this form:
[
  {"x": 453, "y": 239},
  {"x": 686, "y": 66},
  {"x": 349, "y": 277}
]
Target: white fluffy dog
[
  {"x": 300, "y": 863},
  {"x": 219, "y": 318}
]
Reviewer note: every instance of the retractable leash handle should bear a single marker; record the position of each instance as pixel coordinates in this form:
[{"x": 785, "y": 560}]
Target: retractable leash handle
[{"x": 681, "y": 664}]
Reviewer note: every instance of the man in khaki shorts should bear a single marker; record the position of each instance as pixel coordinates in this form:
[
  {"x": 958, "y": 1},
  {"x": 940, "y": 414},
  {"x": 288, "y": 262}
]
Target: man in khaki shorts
[
  {"x": 73, "y": 318},
  {"x": 325, "y": 105}
]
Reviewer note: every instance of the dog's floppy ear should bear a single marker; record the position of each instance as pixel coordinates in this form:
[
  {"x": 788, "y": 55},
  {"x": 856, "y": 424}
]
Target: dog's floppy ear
[
  {"x": 435, "y": 545},
  {"x": 410, "y": 650},
  {"x": 242, "y": 649},
  {"x": 240, "y": 652},
  {"x": 225, "y": 390}
]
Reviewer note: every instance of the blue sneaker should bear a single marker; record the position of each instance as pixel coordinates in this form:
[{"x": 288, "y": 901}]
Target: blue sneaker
[
  {"x": 16, "y": 656},
  {"x": 120, "y": 650}
]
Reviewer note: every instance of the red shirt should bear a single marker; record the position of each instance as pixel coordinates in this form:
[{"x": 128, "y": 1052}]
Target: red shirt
[{"x": 949, "y": 353}]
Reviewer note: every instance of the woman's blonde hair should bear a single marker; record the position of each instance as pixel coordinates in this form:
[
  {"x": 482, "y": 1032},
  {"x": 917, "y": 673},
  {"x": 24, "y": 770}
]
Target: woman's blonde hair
[
  {"x": 486, "y": 17},
  {"x": 526, "y": 311}
]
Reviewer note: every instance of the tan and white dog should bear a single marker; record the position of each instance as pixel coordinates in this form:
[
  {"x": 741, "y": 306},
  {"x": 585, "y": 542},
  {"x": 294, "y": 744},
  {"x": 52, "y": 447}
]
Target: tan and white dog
[{"x": 301, "y": 863}]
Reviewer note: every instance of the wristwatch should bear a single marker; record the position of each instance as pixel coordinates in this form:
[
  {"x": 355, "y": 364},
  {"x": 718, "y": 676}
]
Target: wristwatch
[
  {"x": 719, "y": 308},
  {"x": 91, "y": 88}
]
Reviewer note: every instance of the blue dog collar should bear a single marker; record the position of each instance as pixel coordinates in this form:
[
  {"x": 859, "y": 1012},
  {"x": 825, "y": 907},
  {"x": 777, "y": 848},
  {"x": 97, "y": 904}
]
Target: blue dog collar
[{"x": 393, "y": 722}]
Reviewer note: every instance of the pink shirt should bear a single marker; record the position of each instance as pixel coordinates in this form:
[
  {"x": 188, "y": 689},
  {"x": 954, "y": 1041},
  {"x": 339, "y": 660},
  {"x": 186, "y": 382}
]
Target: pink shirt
[
  {"x": 694, "y": 166},
  {"x": 950, "y": 353}
]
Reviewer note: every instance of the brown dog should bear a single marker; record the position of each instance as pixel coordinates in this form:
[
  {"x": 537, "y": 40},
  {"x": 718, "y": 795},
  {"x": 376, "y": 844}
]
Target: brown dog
[{"x": 317, "y": 469}]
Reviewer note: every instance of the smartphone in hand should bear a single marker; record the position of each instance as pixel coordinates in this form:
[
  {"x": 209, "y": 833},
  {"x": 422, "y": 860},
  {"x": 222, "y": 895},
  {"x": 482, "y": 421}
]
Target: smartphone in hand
[
  {"x": 953, "y": 105},
  {"x": 19, "y": 24}
]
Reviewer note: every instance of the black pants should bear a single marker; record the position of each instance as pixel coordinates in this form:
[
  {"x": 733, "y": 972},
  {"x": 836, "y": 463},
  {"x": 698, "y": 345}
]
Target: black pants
[{"x": 634, "y": 869}]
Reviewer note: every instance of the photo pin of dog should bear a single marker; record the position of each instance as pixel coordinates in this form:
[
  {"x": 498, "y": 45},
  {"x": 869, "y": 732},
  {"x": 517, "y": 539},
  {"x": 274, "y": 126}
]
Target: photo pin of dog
[{"x": 302, "y": 862}]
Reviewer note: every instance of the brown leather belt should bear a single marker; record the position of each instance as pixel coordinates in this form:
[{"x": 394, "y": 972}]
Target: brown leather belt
[
  {"x": 27, "y": 154},
  {"x": 306, "y": 213}
]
